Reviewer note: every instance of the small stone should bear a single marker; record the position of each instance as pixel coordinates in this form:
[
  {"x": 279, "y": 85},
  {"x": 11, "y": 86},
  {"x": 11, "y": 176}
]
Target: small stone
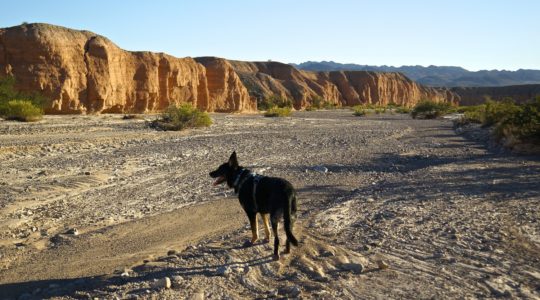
[
  {"x": 87, "y": 173},
  {"x": 72, "y": 231},
  {"x": 328, "y": 253},
  {"x": 353, "y": 267},
  {"x": 197, "y": 296},
  {"x": 290, "y": 291},
  {"x": 163, "y": 283},
  {"x": 223, "y": 271},
  {"x": 320, "y": 169},
  {"x": 366, "y": 248}
]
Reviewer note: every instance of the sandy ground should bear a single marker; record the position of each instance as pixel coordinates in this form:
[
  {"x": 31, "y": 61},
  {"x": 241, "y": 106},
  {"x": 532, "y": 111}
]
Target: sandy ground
[{"x": 390, "y": 207}]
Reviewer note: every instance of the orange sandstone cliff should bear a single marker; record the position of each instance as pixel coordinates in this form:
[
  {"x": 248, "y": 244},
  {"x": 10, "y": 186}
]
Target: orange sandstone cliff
[
  {"x": 345, "y": 88},
  {"x": 81, "y": 72}
]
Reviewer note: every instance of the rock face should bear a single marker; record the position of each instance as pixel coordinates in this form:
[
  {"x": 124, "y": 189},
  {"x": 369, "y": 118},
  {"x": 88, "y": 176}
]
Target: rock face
[
  {"x": 345, "y": 88},
  {"x": 478, "y": 95},
  {"x": 81, "y": 72}
]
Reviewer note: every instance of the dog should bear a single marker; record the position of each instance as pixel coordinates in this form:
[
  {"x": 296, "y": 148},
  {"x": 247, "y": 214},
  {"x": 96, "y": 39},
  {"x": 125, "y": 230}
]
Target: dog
[{"x": 271, "y": 197}]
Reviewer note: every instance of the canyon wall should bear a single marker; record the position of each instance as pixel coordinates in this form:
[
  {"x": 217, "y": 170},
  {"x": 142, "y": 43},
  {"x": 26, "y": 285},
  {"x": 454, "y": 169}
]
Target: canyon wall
[
  {"x": 81, "y": 72},
  {"x": 479, "y": 95},
  {"x": 344, "y": 88}
]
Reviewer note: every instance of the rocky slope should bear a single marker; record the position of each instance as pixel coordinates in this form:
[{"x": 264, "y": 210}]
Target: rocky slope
[
  {"x": 338, "y": 87},
  {"x": 81, "y": 72},
  {"x": 478, "y": 95},
  {"x": 437, "y": 75}
]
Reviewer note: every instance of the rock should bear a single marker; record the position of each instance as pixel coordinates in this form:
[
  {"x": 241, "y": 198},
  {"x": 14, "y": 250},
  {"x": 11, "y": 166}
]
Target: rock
[
  {"x": 320, "y": 169},
  {"x": 197, "y": 296},
  {"x": 223, "y": 271},
  {"x": 353, "y": 267},
  {"x": 72, "y": 231},
  {"x": 290, "y": 291},
  {"x": 162, "y": 283},
  {"x": 87, "y": 173},
  {"x": 171, "y": 252}
]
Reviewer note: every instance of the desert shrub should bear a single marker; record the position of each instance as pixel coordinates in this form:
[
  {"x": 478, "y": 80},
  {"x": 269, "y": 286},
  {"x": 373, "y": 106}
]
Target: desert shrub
[
  {"x": 430, "y": 110},
  {"x": 496, "y": 112},
  {"x": 320, "y": 103},
  {"x": 380, "y": 110},
  {"x": 329, "y": 105},
  {"x": 509, "y": 120},
  {"x": 317, "y": 102},
  {"x": 521, "y": 122},
  {"x": 8, "y": 93},
  {"x": 274, "y": 101},
  {"x": 402, "y": 110},
  {"x": 20, "y": 110},
  {"x": 475, "y": 115},
  {"x": 278, "y": 112},
  {"x": 182, "y": 117},
  {"x": 360, "y": 111},
  {"x": 20, "y": 106},
  {"x": 132, "y": 117}
]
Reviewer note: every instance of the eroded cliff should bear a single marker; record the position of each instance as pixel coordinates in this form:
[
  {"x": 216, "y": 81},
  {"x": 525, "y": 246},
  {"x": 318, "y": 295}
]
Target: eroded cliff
[
  {"x": 345, "y": 88},
  {"x": 81, "y": 72}
]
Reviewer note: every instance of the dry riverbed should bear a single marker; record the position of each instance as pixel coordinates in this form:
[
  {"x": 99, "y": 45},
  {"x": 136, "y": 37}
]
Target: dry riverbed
[{"x": 390, "y": 207}]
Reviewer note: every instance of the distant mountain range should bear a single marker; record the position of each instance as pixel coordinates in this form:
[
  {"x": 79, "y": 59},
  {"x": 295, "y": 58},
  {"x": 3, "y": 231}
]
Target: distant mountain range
[{"x": 437, "y": 76}]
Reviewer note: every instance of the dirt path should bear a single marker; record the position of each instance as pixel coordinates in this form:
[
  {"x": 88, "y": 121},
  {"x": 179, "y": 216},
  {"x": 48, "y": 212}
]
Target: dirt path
[{"x": 450, "y": 218}]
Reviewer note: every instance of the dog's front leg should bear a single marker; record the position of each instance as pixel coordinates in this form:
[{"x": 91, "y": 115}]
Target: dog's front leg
[{"x": 254, "y": 228}]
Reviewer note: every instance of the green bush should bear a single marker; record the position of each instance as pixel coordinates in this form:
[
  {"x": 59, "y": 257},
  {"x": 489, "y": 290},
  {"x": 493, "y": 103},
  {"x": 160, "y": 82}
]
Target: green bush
[
  {"x": 15, "y": 105},
  {"x": 380, "y": 110},
  {"x": 8, "y": 93},
  {"x": 509, "y": 120},
  {"x": 182, "y": 117},
  {"x": 430, "y": 110},
  {"x": 278, "y": 112},
  {"x": 360, "y": 111},
  {"x": 274, "y": 101},
  {"x": 403, "y": 110},
  {"x": 20, "y": 110}
]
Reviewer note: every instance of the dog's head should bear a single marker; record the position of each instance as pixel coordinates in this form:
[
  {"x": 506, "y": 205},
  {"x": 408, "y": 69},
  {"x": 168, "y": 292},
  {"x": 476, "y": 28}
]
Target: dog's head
[{"x": 226, "y": 171}]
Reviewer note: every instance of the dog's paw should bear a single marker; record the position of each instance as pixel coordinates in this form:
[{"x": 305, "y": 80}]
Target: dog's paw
[
  {"x": 247, "y": 244},
  {"x": 275, "y": 257},
  {"x": 266, "y": 241}
]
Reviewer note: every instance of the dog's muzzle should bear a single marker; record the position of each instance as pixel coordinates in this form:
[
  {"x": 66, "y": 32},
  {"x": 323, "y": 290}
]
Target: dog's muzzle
[{"x": 219, "y": 180}]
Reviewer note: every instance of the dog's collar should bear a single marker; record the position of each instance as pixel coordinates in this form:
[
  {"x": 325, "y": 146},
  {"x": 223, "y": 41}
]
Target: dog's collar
[{"x": 237, "y": 183}]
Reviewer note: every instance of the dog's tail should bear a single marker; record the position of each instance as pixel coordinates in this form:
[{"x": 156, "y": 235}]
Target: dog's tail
[{"x": 288, "y": 217}]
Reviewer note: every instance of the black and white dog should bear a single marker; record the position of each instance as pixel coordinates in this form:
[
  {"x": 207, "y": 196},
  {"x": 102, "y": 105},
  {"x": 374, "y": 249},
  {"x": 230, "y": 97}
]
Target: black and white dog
[{"x": 270, "y": 196}]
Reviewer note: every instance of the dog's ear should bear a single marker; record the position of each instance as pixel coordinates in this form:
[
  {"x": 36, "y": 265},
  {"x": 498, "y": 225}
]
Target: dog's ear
[{"x": 233, "y": 161}]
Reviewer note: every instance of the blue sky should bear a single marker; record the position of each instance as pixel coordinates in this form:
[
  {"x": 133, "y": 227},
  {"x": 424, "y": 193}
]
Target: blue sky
[{"x": 475, "y": 34}]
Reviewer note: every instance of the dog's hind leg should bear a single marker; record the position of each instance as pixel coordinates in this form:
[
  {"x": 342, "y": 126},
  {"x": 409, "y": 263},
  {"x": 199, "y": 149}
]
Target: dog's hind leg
[
  {"x": 254, "y": 228},
  {"x": 276, "y": 238},
  {"x": 266, "y": 221}
]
